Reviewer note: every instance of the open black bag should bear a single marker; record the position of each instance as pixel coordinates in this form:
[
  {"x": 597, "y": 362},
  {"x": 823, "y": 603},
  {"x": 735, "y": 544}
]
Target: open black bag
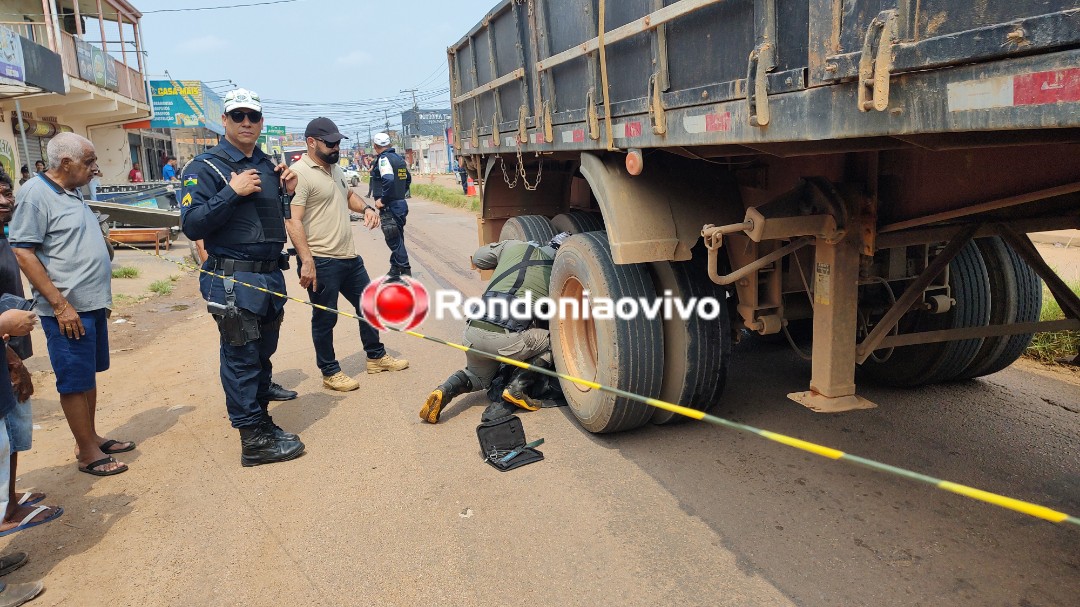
[{"x": 504, "y": 437}]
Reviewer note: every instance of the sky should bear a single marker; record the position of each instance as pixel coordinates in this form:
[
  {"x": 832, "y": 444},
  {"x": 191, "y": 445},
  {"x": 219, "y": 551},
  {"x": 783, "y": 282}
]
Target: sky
[{"x": 342, "y": 59}]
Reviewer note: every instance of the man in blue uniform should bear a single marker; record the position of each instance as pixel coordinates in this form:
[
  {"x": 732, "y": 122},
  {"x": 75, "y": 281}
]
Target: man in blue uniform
[
  {"x": 394, "y": 181},
  {"x": 232, "y": 200}
]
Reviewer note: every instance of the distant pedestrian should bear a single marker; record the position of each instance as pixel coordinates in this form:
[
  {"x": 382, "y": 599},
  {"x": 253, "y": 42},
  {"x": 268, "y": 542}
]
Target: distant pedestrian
[
  {"x": 25, "y": 175},
  {"x": 135, "y": 174},
  {"x": 394, "y": 181},
  {"x": 95, "y": 185},
  {"x": 463, "y": 175},
  {"x": 168, "y": 172},
  {"x": 60, "y": 248},
  {"x": 39, "y": 166},
  {"x": 329, "y": 265}
]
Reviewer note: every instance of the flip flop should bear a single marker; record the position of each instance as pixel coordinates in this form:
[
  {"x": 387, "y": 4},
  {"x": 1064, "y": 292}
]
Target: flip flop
[
  {"x": 91, "y": 468},
  {"x": 106, "y": 447},
  {"x": 11, "y": 562},
  {"x": 26, "y": 524},
  {"x": 26, "y": 501}
]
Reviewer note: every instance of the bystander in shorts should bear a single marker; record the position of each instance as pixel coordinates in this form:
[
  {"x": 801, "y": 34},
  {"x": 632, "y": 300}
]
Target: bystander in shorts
[{"x": 77, "y": 361}]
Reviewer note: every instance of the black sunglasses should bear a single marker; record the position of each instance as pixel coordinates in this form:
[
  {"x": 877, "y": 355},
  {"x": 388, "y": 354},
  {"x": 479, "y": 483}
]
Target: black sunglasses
[
  {"x": 237, "y": 116},
  {"x": 328, "y": 144}
]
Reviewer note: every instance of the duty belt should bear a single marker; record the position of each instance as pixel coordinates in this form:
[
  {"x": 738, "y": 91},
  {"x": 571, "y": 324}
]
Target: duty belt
[
  {"x": 228, "y": 267},
  {"x": 487, "y": 326}
]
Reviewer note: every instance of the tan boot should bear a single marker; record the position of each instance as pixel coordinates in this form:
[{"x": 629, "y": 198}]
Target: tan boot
[
  {"x": 386, "y": 363},
  {"x": 340, "y": 382}
]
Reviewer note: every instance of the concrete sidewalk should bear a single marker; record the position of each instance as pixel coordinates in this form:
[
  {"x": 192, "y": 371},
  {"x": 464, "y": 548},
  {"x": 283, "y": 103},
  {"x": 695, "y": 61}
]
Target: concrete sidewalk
[{"x": 1067, "y": 238}]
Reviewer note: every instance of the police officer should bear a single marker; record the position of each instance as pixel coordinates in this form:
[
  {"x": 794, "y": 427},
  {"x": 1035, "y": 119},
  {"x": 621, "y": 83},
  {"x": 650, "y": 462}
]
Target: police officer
[
  {"x": 232, "y": 200},
  {"x": 394, "y": 180},
  {"x": 522, "y": 269}
]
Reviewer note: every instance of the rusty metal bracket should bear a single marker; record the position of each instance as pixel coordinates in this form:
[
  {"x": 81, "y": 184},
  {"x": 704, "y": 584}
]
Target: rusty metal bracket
[
  {"x": 475, "y": 135},
  {"x": 549, "y": 133},
  {"x": 875, "y": 63},
  {"x": 657, "y": 115},
  {"x": 757, "y": 84},
  {"x": 594, "y": 119},
  {"x": 495, "y": 130},
  {"x": 757, "y": 264},
  {"x": 523, "y": 133}
]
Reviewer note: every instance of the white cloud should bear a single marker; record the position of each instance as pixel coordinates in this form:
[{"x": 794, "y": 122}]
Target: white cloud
[
  {"x": 354, "y": 59},
  {"x": 203, "y": 44}
]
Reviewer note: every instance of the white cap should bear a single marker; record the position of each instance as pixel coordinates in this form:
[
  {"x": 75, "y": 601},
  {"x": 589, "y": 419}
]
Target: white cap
[
  {"x": 242, "y": 98},
  {"x": 381, "y": 139}
]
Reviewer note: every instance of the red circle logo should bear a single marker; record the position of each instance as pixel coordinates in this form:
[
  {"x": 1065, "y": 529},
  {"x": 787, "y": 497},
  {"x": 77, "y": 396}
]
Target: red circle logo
[{"x": 394, "y": 303}]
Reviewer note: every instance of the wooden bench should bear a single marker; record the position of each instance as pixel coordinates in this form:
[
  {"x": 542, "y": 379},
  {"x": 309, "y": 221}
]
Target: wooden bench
[{"x": 142, "y": 236}]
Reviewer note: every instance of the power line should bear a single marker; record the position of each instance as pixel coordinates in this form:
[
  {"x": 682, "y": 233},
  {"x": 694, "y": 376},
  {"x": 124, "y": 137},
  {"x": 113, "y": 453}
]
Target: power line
[{"x": 216, "y": 8}]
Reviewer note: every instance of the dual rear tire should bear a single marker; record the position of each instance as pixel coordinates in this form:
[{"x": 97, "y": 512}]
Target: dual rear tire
[{"x": 679, "y": 361}]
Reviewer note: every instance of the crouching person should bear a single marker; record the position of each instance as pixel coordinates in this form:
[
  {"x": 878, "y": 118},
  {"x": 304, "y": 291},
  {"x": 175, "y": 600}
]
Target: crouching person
[{"x": 522, "y": 269}]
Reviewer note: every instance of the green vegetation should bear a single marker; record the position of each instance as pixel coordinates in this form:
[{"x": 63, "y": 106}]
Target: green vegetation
[
  {"x": 120, "y": 299},
  {"x": 161, "y": 287},
  {"x": 1048, "y": 347},
  {"x": 125, "y": 272},
  {"x": 451, "y": 197}
]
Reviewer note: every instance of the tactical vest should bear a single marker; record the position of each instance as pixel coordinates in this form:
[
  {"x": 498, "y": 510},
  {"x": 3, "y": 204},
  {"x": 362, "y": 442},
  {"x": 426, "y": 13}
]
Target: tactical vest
[
  {"x": 401, "y": 174},
  {"x": 516, "y": 264},
  {"x": 260, "y": 217}
]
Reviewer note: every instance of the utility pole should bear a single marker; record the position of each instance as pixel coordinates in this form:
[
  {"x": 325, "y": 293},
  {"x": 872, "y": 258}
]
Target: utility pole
[{"x": 416, "y": 111}]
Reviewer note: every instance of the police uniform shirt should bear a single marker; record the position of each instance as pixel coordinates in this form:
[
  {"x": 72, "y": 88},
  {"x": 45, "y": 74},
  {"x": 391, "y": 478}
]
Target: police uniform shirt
[{"x": 207, "y": 203}]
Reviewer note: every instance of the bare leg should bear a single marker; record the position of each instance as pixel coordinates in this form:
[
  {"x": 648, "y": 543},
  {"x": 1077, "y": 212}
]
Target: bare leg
[{"x": 80, "y": 419}]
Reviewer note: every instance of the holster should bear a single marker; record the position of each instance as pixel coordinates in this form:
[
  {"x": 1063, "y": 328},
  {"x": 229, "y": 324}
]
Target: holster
[{"x": 238, "y": 327}]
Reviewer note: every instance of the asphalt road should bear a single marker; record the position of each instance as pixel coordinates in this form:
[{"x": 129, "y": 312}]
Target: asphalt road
[{"x": 387, "y": 510}]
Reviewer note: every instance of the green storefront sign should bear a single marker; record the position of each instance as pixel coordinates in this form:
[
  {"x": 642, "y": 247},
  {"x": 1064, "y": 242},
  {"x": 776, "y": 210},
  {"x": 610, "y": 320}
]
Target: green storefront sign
[{"x": 278, "y": 131}]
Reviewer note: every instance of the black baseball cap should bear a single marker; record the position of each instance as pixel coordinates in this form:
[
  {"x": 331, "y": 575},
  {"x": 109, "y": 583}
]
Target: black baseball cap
[{"x": 325, "y": 129}]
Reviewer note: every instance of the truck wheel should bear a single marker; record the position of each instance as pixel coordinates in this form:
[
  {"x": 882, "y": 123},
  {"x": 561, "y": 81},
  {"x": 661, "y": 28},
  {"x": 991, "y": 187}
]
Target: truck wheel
[
  {"x": 912, "y": 366},
  {"x": 631, "y": 351},
  {"x": 536, "y": 228},
  {"x": 1015, "y": 297},
  {"x": 577, "y": 222},
  {"x": 696, "y": 351},
  {"x": 194, "y": 252}
]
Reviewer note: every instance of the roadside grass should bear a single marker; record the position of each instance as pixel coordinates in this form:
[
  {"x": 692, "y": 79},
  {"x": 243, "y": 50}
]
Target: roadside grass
[
  {"x": 125, "y": 272},
  {"x": 161, "y": 287},
  {"x": 443, "y": 195},
  {"x": 120, "y": 299},
  {"x": 446, "y": 196},
  {"x": 1049, "y": 347}
]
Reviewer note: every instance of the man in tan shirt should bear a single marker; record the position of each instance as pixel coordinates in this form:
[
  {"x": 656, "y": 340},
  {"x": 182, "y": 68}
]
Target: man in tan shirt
[{"x": 328, "y": 263}]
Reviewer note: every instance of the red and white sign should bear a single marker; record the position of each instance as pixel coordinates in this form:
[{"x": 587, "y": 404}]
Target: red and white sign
[{"x": 1039, "y": 88}]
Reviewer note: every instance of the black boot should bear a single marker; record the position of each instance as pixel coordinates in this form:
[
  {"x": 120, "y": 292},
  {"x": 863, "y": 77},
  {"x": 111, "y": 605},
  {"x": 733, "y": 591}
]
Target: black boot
[
  {"x": 516, "y": 391},
  {"x": 278, "y": 432},
  {"x": 260, "y": 446},
  {"x": 457, "y": 384},
  {"x": 497, "y": 409}
]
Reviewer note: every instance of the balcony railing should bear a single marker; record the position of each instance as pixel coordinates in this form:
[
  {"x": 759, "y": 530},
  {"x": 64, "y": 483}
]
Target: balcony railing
[{"x": 128, "y": 81}]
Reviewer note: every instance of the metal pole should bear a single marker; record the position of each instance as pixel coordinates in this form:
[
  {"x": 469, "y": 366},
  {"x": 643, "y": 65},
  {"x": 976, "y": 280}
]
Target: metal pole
[{"x": 22, "y": 131}]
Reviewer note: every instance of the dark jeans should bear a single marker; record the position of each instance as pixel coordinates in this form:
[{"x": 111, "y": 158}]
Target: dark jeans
[
  {"x": 392, "y": 218},
  {"x": 246, "y": 370},
  {"x": 335, "y": 277}
]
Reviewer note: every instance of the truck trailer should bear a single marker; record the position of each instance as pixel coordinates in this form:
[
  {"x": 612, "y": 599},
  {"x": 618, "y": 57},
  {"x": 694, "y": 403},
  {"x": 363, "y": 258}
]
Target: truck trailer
[{"x": 860, "y": 172}]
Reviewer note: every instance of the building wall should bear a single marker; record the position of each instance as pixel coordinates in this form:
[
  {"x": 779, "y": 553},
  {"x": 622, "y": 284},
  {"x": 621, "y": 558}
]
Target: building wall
[{"x": 114, "y": 153}]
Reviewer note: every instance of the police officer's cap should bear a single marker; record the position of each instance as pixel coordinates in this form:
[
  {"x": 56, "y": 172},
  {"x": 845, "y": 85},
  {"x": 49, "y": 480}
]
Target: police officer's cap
[
  {"x": 381, "y": 139},
  {"x": 242, "y": 98}
]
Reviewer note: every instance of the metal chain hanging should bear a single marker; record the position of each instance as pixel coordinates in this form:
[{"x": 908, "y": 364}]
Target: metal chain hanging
[
  {"x": 524, "y": 178},
  {"x": 506, "y": 178}
]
